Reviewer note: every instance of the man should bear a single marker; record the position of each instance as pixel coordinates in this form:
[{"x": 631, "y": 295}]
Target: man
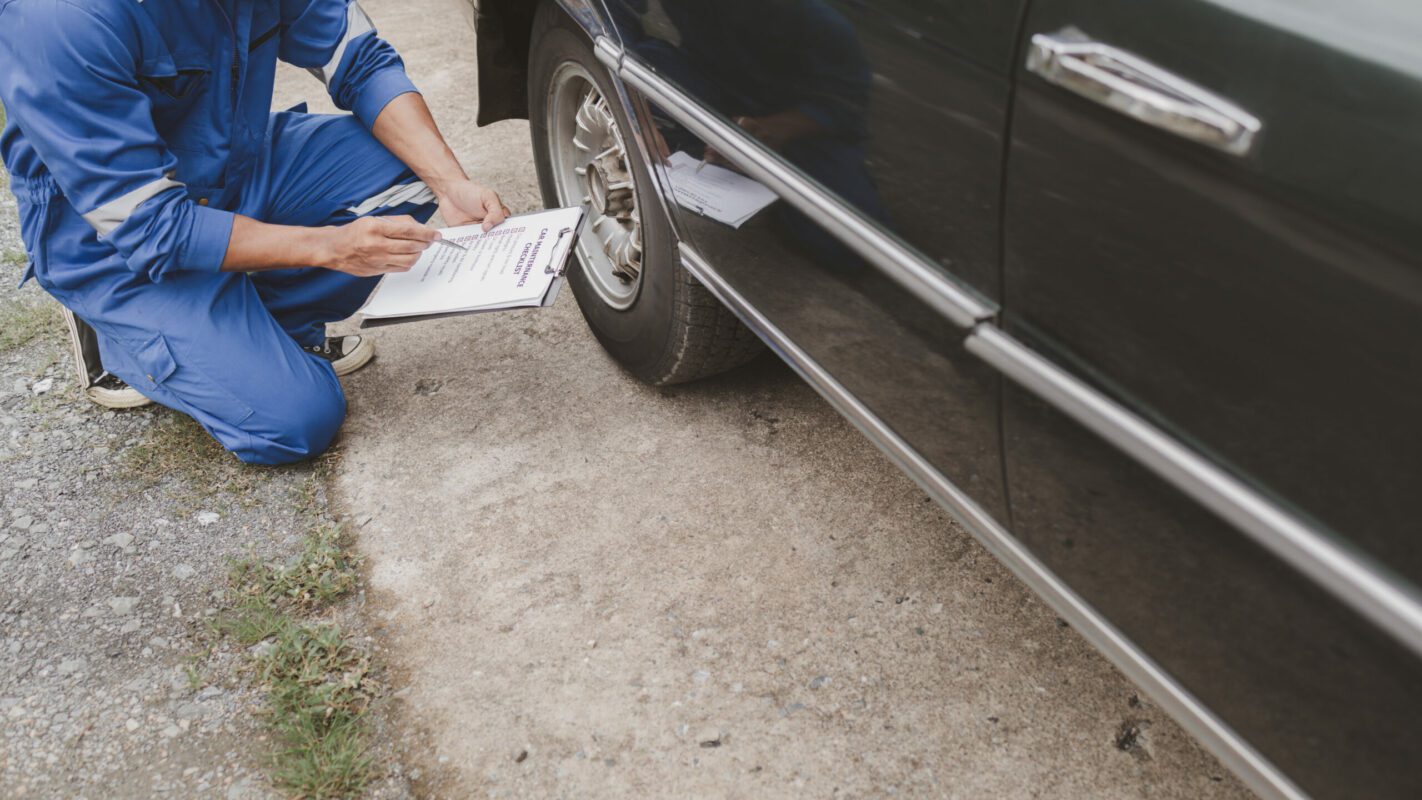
[{"x": 205, "y": 240}]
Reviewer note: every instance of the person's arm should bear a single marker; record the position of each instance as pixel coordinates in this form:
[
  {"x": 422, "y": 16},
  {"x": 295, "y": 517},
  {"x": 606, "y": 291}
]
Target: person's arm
[
  {"x": 68, "y": 79},
  {"x": 368, "y": 246},
  {"x": 407, "y": 129},
  {"x": 337, "y": 42}
]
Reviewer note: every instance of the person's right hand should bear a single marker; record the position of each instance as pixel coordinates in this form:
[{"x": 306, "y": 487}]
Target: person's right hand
[{"x": 377, "y": 245}]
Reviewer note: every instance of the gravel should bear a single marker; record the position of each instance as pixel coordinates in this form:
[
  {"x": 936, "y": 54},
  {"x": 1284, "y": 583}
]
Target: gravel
[{"x": 111, "y": 684}]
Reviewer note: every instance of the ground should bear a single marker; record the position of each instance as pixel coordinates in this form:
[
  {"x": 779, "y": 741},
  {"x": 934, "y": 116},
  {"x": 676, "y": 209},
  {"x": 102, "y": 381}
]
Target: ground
[{"x": 575, "y": 585}]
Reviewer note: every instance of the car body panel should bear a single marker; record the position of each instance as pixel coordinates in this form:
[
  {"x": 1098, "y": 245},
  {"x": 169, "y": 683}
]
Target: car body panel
[{"x": 1264, "y": 310}]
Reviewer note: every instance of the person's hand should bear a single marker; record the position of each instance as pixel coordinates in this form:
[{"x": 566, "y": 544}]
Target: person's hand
[
  {"x": 466, "y": 202},
  {"x": 377, "y": 245}
]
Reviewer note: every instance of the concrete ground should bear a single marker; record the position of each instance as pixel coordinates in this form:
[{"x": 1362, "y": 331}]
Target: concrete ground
[{"x": 592, "y": 588}]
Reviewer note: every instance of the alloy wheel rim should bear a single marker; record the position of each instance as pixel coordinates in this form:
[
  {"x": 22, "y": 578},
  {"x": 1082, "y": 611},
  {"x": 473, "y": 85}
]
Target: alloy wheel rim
[{"x": 592, "y": 167}]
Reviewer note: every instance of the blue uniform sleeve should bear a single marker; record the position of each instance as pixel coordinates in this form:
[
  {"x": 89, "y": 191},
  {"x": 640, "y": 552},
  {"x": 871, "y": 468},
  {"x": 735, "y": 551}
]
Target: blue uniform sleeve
[
  {"x": 336, "y": 41},
  {"x": 68, "y": 80}
]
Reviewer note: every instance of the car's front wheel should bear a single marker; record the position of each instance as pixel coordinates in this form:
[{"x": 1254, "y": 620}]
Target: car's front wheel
[{"x": 642, "y": 305}]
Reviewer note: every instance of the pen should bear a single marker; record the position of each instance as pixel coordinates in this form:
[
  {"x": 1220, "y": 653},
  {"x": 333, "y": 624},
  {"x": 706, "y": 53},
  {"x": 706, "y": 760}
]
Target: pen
[{"x": 451, "y": 244}]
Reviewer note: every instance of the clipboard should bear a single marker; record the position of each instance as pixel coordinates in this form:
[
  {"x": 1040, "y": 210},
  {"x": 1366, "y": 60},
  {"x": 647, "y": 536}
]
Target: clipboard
[{"x": 564, "y": 246}]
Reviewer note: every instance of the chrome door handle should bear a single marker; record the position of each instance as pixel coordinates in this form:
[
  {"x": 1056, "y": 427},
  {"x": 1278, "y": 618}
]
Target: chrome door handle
[{"x": 1137, "y": 88}]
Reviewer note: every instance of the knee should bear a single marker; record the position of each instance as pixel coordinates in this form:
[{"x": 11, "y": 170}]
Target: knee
[{"x": 304, "y": 426}]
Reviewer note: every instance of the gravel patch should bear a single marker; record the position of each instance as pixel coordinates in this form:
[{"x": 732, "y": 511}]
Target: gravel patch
[{"x": 116, "y": 534}]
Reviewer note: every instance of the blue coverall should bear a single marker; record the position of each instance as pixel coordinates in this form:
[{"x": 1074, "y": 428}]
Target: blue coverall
[{"x": 137, "y": 128}]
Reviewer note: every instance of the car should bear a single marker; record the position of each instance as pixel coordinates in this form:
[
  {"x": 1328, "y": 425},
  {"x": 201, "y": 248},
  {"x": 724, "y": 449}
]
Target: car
[{"x": 1134, "y": 290}]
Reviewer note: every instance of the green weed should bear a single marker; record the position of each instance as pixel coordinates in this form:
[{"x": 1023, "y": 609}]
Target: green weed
[{"x": 315, "y": 679}]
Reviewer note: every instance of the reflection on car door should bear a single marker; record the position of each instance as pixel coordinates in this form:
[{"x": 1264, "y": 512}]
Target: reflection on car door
[
  {"x": 1260, "y": 303},
  {"x": 894, "y": 112}
]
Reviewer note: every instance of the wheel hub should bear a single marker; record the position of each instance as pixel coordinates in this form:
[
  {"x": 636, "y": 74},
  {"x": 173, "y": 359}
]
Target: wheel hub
[{"x": 607, "y": 184}]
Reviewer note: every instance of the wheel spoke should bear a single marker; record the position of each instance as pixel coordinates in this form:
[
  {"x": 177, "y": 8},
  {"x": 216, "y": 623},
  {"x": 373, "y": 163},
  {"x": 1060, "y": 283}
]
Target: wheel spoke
[{"x": 598, "y": 172}]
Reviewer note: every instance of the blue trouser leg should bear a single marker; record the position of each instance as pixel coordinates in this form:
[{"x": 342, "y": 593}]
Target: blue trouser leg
[{"x": 225, "y": 348}]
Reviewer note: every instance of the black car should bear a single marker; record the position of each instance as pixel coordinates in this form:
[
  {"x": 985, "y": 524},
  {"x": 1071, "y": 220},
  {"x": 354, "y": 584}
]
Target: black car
[{"x": 1134, "y": 289}]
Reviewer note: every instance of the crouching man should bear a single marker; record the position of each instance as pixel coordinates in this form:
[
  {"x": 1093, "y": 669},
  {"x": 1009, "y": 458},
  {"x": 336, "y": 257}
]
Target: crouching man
[{"x": 198, "y": 242}]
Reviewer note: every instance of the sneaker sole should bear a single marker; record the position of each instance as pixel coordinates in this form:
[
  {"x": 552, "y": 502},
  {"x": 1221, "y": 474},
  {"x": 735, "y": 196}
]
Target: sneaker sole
[
  {"x": 352, "y": 361},
  {"x": 117, "y": 398}
]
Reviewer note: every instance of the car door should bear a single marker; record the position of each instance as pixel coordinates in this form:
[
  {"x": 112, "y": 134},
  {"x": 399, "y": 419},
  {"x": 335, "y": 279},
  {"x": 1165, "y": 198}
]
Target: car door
[
  {"x": 1213, "y": 225},
  {"x": 879, "y": 127}
]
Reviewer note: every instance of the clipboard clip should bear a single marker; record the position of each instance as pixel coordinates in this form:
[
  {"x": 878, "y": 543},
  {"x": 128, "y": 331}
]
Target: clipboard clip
[{"x": 557, "y": 269}]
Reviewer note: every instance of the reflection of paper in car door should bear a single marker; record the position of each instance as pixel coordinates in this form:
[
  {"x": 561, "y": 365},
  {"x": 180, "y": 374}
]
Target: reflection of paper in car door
[{"x": 716, "y": 192}]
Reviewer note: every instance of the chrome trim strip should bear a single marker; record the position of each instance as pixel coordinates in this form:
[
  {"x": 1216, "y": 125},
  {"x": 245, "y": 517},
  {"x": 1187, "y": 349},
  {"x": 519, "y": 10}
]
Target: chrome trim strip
[
  {"x": 1236, "y": 754},
  {"x": 609, "y": 53},
  {"x": 114, "y": 213},
  {"x": 1351, "y": 577},
  {"x": 959, "y": 305},
  {"x": 357, "y": 24}
]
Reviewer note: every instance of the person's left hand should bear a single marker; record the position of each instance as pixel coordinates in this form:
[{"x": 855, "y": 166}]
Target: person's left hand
[{"x": 466, "y": 202}]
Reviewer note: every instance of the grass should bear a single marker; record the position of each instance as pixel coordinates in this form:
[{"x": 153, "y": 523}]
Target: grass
[
  {"x": 320, "y": 574},
  {"x": 177, "y": 447},
  {"x": 317, "y": 685},
  {"x": 22, "y": 323}
]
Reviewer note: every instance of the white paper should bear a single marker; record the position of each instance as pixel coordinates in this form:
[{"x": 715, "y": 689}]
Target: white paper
[
  {"x": 716, "y": 192},
  {"x": 508, "y": 267}
]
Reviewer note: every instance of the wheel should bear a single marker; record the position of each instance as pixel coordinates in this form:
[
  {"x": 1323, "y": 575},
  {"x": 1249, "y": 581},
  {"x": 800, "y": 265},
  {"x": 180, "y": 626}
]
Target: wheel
[{"x": 648, "y": 312}]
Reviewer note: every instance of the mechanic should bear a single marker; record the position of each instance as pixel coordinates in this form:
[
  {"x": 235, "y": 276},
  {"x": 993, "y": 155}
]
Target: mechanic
[{"x": 202, "y": 240}]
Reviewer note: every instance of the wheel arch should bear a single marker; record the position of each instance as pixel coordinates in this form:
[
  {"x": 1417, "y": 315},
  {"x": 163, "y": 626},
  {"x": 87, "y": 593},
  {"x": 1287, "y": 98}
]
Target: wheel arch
[{"x": 502, "y": 29}]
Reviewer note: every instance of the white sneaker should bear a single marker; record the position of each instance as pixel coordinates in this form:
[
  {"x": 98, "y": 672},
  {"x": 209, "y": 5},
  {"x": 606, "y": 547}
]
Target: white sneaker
[
  {"x": 99, "y": 386},
  {"x": 346, "y": 353}
]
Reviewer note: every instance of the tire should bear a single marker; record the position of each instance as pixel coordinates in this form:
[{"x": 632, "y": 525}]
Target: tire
[{"x": 668, "y": 328}]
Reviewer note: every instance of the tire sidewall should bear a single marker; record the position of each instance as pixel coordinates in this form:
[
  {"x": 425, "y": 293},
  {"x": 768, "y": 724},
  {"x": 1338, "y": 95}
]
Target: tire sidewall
[{"x": 638, "y": 336}]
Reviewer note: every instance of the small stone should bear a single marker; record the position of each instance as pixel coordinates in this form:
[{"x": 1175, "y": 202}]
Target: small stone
[
  {"x": 131, "y": 725},
  {"x": 120, "y": 540},
  {"x": 43, "y": 387},
  {"x": 819, "y": 682},
  {"x": 171, "y": 731},
  {"x": 131, "y": 626},
  {"x": 69, "y": 666},
  {"x": 207, "y": 517},
  {"x": 122, "y": 606},
  {"x": 22, "y": 522},
  {"x": 26, "y": 483},
  {"x": 700, "y": 676},
  {"x": 520, "y": 756},
  {"x": 78, "y": 557},
  {"x": 183, "y": 571}
]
